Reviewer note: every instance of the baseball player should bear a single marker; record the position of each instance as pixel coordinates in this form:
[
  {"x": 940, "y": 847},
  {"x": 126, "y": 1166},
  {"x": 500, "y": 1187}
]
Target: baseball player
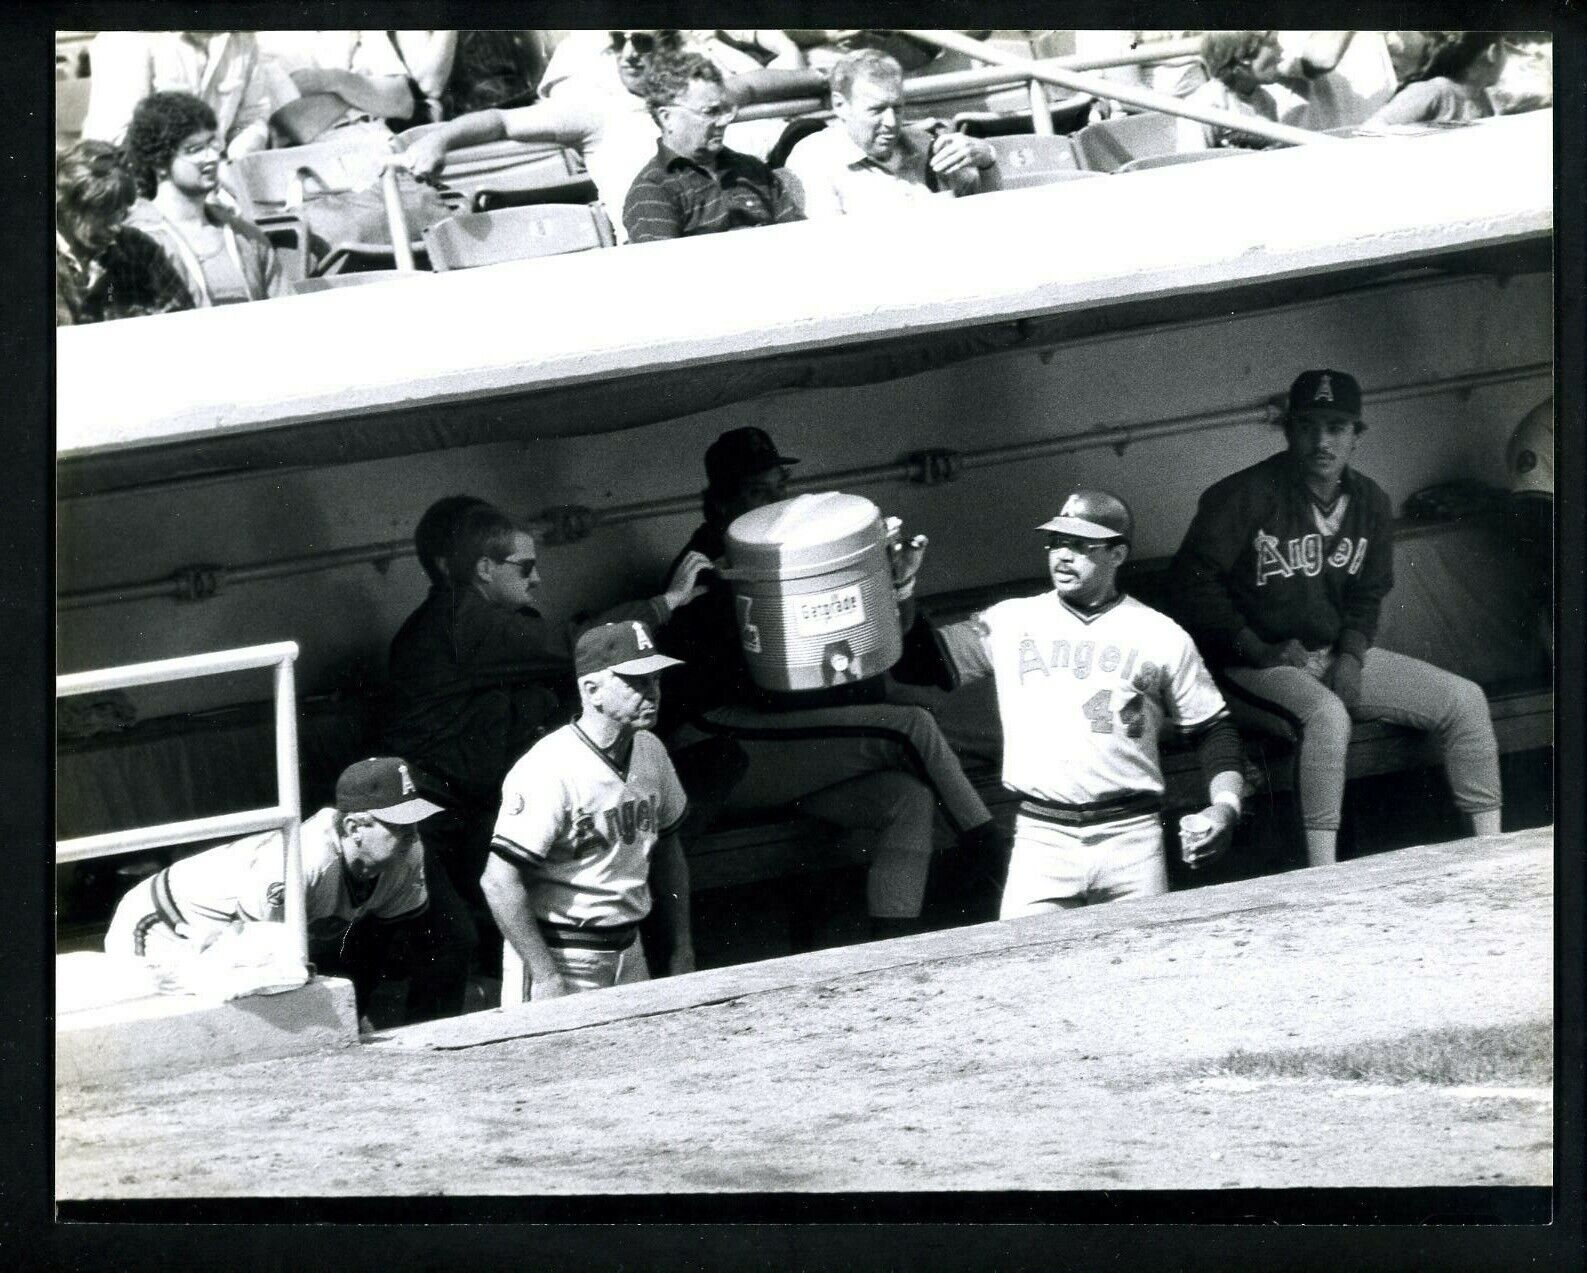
[
  {"x": 1087, "y": 680},
  {"x": 1281, "y": 577},
  {"x": 588, "y": 816},
  {"x": 365, "y": 887}
]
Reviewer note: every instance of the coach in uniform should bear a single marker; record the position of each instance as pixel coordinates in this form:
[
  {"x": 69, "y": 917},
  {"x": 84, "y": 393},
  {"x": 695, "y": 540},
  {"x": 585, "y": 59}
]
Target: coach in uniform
[
  {"x": 1087, "y": 680},
  {"x": 371, "y": 907},
  {"x": 1281, "y": 577},
  {"x": 589, "y": 817}
]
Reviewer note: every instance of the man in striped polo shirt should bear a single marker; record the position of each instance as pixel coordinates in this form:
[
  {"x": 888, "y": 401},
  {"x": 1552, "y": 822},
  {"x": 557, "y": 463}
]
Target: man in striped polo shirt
[{"x": 695, "y": 185}]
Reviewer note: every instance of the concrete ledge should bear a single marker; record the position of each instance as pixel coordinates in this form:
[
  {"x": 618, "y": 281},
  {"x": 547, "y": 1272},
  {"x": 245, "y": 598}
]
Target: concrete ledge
[
  {"x": 674, "y": 994},
  {"x": 110, "y": 1025}
]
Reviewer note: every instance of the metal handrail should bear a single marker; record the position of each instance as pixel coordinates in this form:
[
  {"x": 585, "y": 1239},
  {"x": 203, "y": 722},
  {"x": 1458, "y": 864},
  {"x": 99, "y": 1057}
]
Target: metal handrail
[
  {"x": 179, "y": 587},
  {"x": 950, "y": 84},
  {"x": 287, "y": 814},
  {"x": 1144, "y": 98}
]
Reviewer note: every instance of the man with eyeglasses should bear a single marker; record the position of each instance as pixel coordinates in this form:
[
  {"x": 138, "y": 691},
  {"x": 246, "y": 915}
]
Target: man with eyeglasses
[
  {"x": 1087, "y": 680},
  {"x": 694, "y": 184},
  {"x": 472, "y": 671}
]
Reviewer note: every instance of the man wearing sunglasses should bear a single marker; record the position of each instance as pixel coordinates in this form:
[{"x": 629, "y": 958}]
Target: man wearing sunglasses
[
  {"x": 695, "y": 184},
  {"x": 600, "y": 113},
  {"x": 1087, "y": 680},
  {"x": 472, "y": 671}
]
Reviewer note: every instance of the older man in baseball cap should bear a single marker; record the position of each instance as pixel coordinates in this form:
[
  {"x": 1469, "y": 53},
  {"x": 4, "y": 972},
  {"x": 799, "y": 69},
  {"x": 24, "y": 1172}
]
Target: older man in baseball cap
[
  {"x": 371, "y": 908},
  {"x": 587, "y": 833},
  {"x": 1087, "y": 679},
  {"x": 1281, "y": 578}
]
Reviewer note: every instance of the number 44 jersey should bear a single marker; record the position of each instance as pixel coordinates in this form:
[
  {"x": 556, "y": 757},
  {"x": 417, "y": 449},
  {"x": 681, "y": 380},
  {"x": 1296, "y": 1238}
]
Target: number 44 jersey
[{"x": 1084, "y": 697}]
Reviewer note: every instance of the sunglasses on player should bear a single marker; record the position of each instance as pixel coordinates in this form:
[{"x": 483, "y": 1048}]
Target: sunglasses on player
[{"x": 1077, "y": 546}]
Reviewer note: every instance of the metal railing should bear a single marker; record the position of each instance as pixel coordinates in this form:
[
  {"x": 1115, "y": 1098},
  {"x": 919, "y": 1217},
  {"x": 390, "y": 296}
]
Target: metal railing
[
  {"x": 1080, "y": 82},
  {"x": 923, "y": 90},
  {"x": 286, "y": 816}
]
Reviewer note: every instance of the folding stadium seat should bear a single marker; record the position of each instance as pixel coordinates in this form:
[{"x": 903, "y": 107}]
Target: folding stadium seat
[
  {"x": 1026, "y": 160},
  {"x": 506, "y": 174},
  {"x": 513, "y": 234},
  {"x": 1068, "y": 116},
  {"x": 1109, "y": 144}
]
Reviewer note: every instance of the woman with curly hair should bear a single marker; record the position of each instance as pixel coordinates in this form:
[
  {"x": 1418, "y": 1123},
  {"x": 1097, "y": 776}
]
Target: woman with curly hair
[
  {"x": 173, "y": 150},
  {"x": 1240, "y": 65},
  {"x": 103, "y": 268},
  {"x": 1459, "y": 74}
]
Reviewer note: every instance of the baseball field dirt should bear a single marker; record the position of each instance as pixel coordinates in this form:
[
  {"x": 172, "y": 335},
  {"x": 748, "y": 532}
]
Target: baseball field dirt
[{"x": 1383, "y": 1022}]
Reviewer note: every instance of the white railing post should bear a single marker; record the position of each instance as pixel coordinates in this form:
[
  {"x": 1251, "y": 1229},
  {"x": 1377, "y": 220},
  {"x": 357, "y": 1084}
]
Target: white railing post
[
  {"x": 288, "y": 798},
  {"x": 287, "y": 814}
]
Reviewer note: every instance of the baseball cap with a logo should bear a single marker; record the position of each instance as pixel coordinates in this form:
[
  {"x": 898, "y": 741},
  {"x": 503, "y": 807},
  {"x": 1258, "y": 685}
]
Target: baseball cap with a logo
[
  {"x": 740, "y": 454},
  {"x": 383, "y": 786},
  {"x": 1325, "y": 390},
  {"x": 619, "y": 647},
  {"x": 1093, "y": 515}
]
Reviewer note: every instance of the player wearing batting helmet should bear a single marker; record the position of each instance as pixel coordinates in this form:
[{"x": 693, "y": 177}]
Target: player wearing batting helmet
[
  {"x": 1088, "y": 678},
  {"x": 1281, "y": 577}
]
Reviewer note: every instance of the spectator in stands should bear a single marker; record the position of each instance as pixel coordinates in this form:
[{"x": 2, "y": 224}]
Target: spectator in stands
[
  {"x": 614, "y": 132},
  {"x": 842, "y": 755},
  {"x": 474, "y": 676},
  {"x": 868, "y": 160},
  {"x": 588, "y": 831},
  {"x": 1178, "y": 76},
  {"x": 104, "y": 269},
  {"x": 224, "y": 68},
  {"x": 1280, "y": 579},
  {"x": 174, "y": 150},
  {"x": 346, "y": 77},
  {"x": 1456, "y": 87},
  {"x": 1339, "y": 78},
  {"x": 372, "y": 908},
  {"x": 694, "y": 184},
  {"x": 772, "y": 49},
  {"x": 1241, "y": 65},
  {"x": 492, "y": 70}
]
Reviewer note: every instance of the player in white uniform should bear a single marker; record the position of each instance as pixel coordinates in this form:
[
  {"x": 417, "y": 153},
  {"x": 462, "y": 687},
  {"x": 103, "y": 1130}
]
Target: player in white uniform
[
  {"x": 1087, "y": 680},
  {"x": 362, "y": 861},
  {"x": 589, "y": 815}
]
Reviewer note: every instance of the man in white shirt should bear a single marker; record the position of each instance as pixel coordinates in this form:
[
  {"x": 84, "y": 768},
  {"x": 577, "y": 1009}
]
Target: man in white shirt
[
  {"x": 868, "y": 160},
  {"x": 222, "y": 68}
]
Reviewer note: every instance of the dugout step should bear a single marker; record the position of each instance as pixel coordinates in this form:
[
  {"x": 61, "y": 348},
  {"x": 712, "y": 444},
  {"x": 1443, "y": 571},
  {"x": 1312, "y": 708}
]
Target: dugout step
[{"x": 110, "y": 1024}]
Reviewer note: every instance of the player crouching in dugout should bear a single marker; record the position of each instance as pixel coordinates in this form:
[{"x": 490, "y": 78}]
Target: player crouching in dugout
[
  {"x": 1281, "y": 578},
  {"x": 371, "y": 908},
  {"x": 1087, "y": 679},
  {"x": 587, "y": 831}
]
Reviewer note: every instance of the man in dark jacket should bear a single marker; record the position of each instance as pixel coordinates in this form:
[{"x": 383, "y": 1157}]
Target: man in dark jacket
[
  {"x": 475, "y": 673},
  {"x": 1280, "y": 580},
  {"x": 842, "y": 754}
]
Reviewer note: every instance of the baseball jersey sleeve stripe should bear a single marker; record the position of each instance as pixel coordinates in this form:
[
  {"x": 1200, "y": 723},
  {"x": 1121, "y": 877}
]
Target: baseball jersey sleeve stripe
[{"x": 513, "y": 852}]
